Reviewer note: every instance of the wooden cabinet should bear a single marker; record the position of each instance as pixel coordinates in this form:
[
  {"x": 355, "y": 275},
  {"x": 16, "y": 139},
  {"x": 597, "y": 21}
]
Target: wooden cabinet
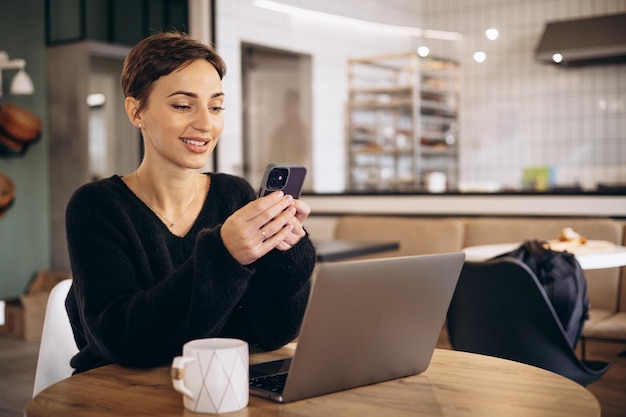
[{"x": 402, "y": 122}]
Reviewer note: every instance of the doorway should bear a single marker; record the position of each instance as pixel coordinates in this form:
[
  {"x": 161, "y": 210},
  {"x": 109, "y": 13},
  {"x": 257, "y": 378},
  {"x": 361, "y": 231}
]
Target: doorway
[
  {"x": 114, "y": 145},
  {"x": 276, "y": 98}
]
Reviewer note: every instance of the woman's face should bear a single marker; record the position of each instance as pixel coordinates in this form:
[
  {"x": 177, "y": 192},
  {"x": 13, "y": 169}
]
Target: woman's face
[{"x": 183, "y": 119}]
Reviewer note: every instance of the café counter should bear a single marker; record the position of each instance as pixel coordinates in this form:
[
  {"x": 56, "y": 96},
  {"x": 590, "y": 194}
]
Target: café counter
[{"x": 588, "y": 204}]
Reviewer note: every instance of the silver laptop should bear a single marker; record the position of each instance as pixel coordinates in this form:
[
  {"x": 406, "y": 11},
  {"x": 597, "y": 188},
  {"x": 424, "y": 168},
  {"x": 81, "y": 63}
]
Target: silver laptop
[{"x": 366, "y": 321}]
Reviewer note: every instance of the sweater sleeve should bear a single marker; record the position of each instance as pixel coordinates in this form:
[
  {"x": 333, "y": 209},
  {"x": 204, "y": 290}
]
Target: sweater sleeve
[
  {"x": 272, "y": 308},
  {"x": 270, "y": 311}
]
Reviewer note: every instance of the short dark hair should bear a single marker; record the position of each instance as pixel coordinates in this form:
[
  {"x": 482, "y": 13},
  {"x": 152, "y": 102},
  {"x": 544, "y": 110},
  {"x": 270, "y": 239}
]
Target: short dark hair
[{"x": 159, "y": 55}]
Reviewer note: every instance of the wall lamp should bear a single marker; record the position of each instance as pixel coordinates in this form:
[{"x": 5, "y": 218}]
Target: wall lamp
[{"x": 21, "y": 84}]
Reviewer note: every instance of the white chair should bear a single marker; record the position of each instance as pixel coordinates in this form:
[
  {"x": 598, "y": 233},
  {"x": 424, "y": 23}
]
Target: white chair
[{"x": 57, "y": 341}]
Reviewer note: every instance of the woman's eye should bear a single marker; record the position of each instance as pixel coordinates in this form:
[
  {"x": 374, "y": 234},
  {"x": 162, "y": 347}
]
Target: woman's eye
[
  {"x": 181, "y": 107},
  {"x": 216, "y": 109}
]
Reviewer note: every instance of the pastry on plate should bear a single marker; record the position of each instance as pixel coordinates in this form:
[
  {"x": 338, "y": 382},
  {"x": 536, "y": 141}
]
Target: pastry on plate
[{"x": 573, "y": 242}]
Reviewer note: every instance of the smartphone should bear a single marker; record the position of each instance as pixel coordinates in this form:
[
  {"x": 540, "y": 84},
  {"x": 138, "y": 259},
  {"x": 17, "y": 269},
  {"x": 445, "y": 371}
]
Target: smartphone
[{"x": 286, "y": 177}]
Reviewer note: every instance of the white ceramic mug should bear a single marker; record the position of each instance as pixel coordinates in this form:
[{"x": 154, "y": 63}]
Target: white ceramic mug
[{"x": 212, "y": 375}]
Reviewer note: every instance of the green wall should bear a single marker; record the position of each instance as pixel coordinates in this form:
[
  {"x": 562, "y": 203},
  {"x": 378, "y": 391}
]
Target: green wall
[{"x": 24, "y": 230}]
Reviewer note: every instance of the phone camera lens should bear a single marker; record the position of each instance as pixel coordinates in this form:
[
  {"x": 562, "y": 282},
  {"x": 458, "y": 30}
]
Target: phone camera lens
[{"x": 277, "y": 178}]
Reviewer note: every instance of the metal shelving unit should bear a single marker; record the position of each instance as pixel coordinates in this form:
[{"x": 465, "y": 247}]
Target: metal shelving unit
[{"x": 402, "y": 121}]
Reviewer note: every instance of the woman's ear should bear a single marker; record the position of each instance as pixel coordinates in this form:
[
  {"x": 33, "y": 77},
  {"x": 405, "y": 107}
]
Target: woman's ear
[{"x": 132, "y": 106}]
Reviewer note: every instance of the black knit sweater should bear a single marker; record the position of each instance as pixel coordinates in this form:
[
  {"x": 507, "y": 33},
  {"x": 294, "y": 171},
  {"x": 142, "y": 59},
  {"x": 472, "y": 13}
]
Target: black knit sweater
[{"x": 139, "y": 292}]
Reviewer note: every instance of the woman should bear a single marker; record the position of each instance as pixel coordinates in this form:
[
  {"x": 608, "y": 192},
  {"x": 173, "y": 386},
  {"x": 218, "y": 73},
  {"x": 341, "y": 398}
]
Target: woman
[{"x": 166, "y": 254}]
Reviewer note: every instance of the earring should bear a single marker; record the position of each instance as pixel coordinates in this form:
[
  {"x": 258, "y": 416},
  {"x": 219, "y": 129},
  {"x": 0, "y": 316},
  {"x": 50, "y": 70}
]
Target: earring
[{"x": 139, "y": 125}]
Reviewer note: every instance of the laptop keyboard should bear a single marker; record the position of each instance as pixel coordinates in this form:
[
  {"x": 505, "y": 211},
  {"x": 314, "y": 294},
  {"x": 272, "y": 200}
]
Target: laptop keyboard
[{"x": 273, "y": 383}]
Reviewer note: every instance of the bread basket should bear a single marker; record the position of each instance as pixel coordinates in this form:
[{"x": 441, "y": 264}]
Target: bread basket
[{"x": 19, "y": 128}]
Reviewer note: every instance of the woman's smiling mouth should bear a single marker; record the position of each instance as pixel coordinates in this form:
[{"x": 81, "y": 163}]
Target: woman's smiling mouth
[{"x": 194, "y": 142}]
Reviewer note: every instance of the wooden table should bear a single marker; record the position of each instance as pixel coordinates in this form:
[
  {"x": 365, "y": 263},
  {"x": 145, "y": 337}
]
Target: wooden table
[
  {"x": 336, "y": 250},
  {"x": 608, "y": 257},
  {"x": 456, "y": 384}
]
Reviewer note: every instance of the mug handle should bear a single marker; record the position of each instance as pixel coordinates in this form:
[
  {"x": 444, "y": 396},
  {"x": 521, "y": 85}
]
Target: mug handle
[{"x": 178, "y": 375}]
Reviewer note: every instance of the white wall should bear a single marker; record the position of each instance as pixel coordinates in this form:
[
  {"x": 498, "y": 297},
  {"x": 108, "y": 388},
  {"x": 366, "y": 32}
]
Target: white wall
[{"x": 516, "y": 112}]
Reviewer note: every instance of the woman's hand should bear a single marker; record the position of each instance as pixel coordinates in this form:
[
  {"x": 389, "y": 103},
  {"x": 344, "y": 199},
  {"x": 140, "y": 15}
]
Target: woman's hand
[
  {"x": 297, "y": 232},
  {"x": 272, "y": 221}
]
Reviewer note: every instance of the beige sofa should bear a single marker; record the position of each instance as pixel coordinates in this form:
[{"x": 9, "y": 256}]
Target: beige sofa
[{"x": 605, "y": 332}]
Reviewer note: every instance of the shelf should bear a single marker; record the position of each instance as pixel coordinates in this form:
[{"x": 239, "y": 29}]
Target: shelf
[
  {"x": 435, "y": 105},
  {"x": 382, "y": 105},
  {"x": 382, "y": 90},
  {"x": 441, "y": 119},
  {"x": 435, "y": 151},
  {"x": 363, "y": 150}
]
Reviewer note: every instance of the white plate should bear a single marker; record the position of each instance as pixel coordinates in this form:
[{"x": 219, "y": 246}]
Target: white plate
[{"x": 577, "y": 248}]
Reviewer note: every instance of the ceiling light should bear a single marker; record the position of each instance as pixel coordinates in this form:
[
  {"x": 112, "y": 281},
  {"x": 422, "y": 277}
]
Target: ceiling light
[
  {"x": 492, "y": 34},
  {"x": 423, "y": 51},
  {"x": 22, "y": 83},
  {"x": 357, "y": 23},
  {"x": 480, "y": 56}
]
